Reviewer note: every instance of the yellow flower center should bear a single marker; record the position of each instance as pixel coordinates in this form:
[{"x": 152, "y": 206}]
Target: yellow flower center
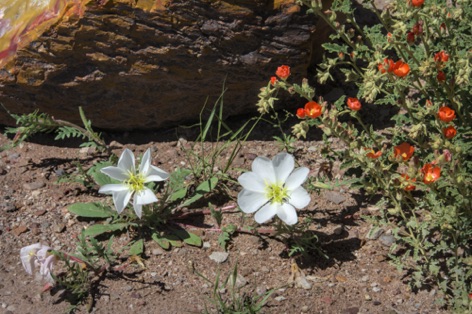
[
  {"x": 276, "y": 193},
  {"x": 135, "y": 182},
  {"x": 429, "y": 177}
]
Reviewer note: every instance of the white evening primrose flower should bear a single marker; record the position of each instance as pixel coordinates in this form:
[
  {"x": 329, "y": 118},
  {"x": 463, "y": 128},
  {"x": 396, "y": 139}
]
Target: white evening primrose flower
[
  {"x": 38, "y": 255},
  {"x": 133, "y": 182},
  {"x": 28, "y": 256},
  {"x": 273, "y": 187}
]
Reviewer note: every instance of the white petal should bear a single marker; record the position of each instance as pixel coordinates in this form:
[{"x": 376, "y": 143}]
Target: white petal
[
  {"x": 250, "y": 201},
  {"x": 121, "y": 199},
  {"x": 266, "y": 213},
  {"x": 112, "y": 188},
  {"x": 252, "y": 181},
  {"x": 115, "y": 173},
  {"x": 145, "y": 162},
  {"x": 287, "y": 214},
  {"x": 283, "y": 166},
  {"x": 296, "y": 178},
  {"x": 155, "y": 174},
  {"x": 43, "y": 252},
  {"x": 144, "y": 197},
  {"x": 263, "y": 167},
  {"x": 126, "y": 161},
  {"x": 299, "y": 198},
  {"x": 138, "y": 208}
]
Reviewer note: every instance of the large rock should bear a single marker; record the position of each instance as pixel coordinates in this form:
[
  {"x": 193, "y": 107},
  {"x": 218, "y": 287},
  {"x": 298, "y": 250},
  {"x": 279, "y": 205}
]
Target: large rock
[{"x": 133, "y": 68}]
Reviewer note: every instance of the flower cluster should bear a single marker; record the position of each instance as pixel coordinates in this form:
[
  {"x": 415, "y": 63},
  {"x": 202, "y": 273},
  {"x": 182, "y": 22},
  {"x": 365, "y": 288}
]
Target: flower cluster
[
  {"x": 311, "y": 110},
  {"x": 38, "y": 255},
  {"x": 446, "y": 115}
]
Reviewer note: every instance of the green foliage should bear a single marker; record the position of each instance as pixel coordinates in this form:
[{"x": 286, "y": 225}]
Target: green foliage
[
  {"x": 225, "y": 236},
  {"x": 36, "y": 122},
  {"x": 237, "y": 302},
  {"x": 429, "y": 214},
  {"x": 91, "y": 210}
]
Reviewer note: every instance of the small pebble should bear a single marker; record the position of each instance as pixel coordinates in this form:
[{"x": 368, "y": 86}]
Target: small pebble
[
  {"x": 157, "y": 251},
  {"x": 377, "y": 302},
  {"x": 376, "y": 289},
  {"x": 34, "y": 185},
  {"x": 280, "y": 298},
  {"x": 367, "y": 297},
  {"x": 219, "y": 257}
]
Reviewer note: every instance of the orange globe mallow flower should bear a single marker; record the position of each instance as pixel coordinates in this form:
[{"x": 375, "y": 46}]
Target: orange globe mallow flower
[
  {"x": 404, "y": 150},
  {"x": 449, "y": 132},
  {"x": 373, "y": 154},
  {"x": 313, "y": 109},
  {"x": 431, "y": 173},
  {"x": 301, "y": 114},
  {"x": 386, "y": 66},
  {"x": 441, "y": 56},
  {"x": 446, "y": 114},
  {"x": 409, "y": 183},
  {"x": 354, "y": 104},
  {"x": 401, "y": 69},
  {"x": 283, "y": 72},
  {"x": 417, "y": 3},
  {"x": 398, "y": 68}
]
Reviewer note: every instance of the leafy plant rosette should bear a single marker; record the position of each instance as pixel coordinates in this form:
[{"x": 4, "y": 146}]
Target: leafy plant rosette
[{"x": 415, "y": 61}]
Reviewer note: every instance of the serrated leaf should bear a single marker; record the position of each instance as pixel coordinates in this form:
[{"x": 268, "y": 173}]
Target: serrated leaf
[
  {"x": 137, "y": 248},
  {"x": 96, "y": 230},
  {"x": 188, "y": 237},
  {"x": 163, "y": 243},
  {"x": 91, "y": 210}
]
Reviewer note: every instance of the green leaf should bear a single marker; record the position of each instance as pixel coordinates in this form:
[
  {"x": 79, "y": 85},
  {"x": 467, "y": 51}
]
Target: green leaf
[
  {"x": 188, "y": 237},
  {"x": 202, "y": 189},
  {"x": 179, "y": 194},
  {"x": 96, "y": 230},
  {"x": 163, "y": 243},
  {"x": 173, "y": 240},
  {"x": 137, "y": 248},
  {"x": 91, "y": 210},
  {"x": 99, "y": 177}
]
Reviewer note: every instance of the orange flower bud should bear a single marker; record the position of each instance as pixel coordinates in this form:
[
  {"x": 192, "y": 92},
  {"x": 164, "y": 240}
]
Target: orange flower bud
[
  {"x": 410, "y": 37},
  {"x": 431, "y": 173},
  {"x": 446, "y": 114},
  {"x": 354, "y": 104},
  {"x": 417, "y": 3},
  {"x": 449, "y": 132},
  {"x": 418, "y": 28},
  {"x": 441, "y": 56},
  {"x": 441, "y": 77},
  {"x": 404, "y": 150},
  {"x": 301, "y": 114},
  {"x": 283, "y": 72},
  {"x": 273, "y": 80},
  {"x": 409, "y": 186},
  {"x": 313, "y": 109}
]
